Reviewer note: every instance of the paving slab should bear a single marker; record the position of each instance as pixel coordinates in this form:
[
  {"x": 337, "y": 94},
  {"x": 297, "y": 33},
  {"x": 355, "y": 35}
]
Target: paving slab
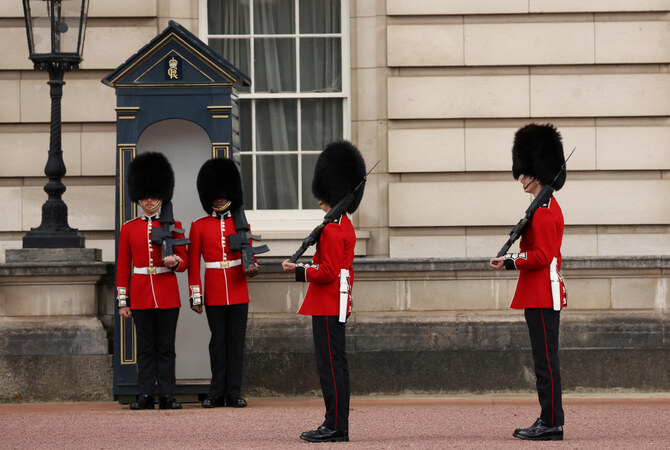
[{"x": 640, "y": 421}]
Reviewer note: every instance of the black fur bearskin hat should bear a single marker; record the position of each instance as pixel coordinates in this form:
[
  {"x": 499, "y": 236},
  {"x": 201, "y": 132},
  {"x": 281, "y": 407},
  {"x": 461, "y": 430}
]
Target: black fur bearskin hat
[
  {"x": 538, "y": 152},
  {"x": 219, "y": 178},
  {"x": 150, "y": 175},
  {"x": 339, "y": 169}
]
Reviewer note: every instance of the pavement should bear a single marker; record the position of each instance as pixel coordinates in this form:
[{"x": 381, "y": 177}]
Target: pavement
[{"x": 605, "y": 421}]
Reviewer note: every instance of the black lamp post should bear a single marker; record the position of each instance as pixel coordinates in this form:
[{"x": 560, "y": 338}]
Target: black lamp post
[{"x": 55, "y": 31}]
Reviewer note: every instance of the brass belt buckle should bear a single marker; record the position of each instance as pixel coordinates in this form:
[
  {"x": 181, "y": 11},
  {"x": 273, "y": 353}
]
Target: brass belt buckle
[
  {"x": 151, "y": 270},
  {"x": 224, "y": 264}
]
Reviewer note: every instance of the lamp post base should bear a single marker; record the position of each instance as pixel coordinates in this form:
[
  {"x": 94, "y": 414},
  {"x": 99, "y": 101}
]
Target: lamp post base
[{"x": 36, "y": 238}]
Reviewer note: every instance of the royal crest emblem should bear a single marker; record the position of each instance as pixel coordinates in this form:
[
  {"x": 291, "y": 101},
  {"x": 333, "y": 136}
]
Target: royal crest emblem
[{"x": 172, "y": 69}]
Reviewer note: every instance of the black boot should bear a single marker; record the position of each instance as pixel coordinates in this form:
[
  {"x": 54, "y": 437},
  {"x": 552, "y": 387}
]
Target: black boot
[
  {"x": 213, "y": 402},
  {"x": 540, "y": 431},
  {"x": 168, "y": 402},
  {"x": 145, "y": 401},
  {"x": 323, "y": 434},
  {"x": 235, "y": 402}
]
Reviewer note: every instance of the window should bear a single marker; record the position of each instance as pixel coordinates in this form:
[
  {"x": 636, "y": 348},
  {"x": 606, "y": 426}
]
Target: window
[{"x": 296, "y": 53}]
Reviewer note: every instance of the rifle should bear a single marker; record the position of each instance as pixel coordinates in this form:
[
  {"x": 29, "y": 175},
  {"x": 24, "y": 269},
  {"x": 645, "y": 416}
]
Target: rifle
[
  {"x": 240, "y": 242},
  {"x": 334, "y": 213},
  {"x": 163, "y": 236},
  {"x": 542, "y": 198}
]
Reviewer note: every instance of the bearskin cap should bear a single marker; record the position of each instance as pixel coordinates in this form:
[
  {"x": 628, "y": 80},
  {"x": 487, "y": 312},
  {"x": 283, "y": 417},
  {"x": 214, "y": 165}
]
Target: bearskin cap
[
  {"x": 538, "y": 152},
  {"x": 339, "y": 169},
  {"x": 219, "y": 178},
  {"x": 150, "y": 175}
]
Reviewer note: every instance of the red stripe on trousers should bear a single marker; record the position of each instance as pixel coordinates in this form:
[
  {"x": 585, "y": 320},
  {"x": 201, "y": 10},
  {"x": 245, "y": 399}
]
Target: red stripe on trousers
[
  {"x": 332, "y": 371},
  {"x": 551, "y": 374}
]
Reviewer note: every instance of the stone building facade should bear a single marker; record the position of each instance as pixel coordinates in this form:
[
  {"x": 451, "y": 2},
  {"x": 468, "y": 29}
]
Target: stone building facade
[{"x": 436, "y": 89}]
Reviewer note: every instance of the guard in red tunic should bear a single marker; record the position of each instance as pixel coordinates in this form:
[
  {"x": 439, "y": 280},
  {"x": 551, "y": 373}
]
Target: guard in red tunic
[
  {"x": 339, "y": 170},
  {"x": 225, "y": 294},
  {"x": 146, "y": 283},
  {"x": 538, "y": 158}
]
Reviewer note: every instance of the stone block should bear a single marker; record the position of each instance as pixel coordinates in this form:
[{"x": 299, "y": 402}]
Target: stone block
[
  {"x": 178, "y": 9},
  {"x": 478, "y": 204},
  {"x": 69, "y": 378},
  {"x": 16, "y": 50},
  {"x": 488, "y": 245},
  {"x": 51, "y": 255},
  {"x": 98, "y": 54},
  {"x": 276, "y": 294},
  {"x": 587, "y": 293},
  {"x": 190, "y": 24},
  {"x": 98, "y": 153},
  {"x": 633, "y": 244},
  {"x": 34, "y": 150},
  {"x": 272, "y": 334},
  {"x": 367, "y": 102},
  {"x": 488, "y": 148},
  {"x": 377, "y": 296},
  {"x": 635, "y": 293},
  {"x": 84, "y": 211},
  {"x": 123, "y": 8},
  {"x": 443, "y": 97},
  {"x": 567, "y": 6},
  {"x": 455, "y": 7},
  {"x": 426, "y": 150},
  {"x": 76, "y": 104},
  {"x": 583, "y": 139},
  {"x": 406, "y": 45},
  {"x": 11, "y": 9},
  {"x": 624, "y": 202},
  {"x": 436, "y": 295},
  {"x": 10, "y": 101},
  {"x": 649, "y": 145},
  {"x": 580, "y": 245},
  {"x": 366, "y": 42},
  {"x": 9, "y": 244},
  {"x": 107, "y": 246},
  {"x": 635, "y": 42},
  {"x": 428, "y": 246},
  {"x": 546, "y": 43},
  {"x": 60, "y": 336},
  {"x": 10, "y": 208},
  {"x": 594, "y": 95},
  {"x": 580, "y": 330},
  {"x": 367, "y": 8},
  {"x": 48, "y": 295}
]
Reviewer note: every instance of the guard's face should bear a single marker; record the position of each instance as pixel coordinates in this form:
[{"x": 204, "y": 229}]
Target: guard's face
[
  {"x": 530, "y": 184},
  {"x": 220, "y": 204},
  {"x": 150, "y": 205},
  {"x": 324, "y": 206}
]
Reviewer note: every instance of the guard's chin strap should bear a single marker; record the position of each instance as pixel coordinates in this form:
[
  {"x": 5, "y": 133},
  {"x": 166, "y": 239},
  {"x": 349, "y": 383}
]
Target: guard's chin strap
[
  {"x": 155, "y": 211},
  {"x": 222, "y": 208}
]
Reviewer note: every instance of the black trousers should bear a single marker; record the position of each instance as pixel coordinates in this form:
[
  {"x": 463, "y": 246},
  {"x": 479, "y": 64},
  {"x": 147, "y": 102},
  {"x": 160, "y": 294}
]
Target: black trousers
[
  {"x": 228, "y": 324},
  {"x": 331, "y": 364},
  {"x": 543, "y": 328},
  {"x": 156, "y": 329}
]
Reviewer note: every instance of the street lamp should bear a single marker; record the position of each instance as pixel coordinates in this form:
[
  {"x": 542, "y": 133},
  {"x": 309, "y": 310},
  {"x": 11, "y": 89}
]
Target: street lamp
[{"x": 55, "y": 31}]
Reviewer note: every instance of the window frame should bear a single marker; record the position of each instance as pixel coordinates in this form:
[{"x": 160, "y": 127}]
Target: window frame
[{"x": 288, "y": 219}]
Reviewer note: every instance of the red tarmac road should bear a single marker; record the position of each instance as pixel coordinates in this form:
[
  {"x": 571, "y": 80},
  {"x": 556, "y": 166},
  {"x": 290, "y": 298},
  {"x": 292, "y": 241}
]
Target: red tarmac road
[{"x": 375, "y": 423}]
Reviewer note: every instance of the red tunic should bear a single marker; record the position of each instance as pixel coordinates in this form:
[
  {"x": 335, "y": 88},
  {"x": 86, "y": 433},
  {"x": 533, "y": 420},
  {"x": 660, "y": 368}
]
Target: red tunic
[
  {"x": 135, "y": 249},
  {"x": 540, "y": 244},
  {"x": 334, "y": 251},
  {"x": 209, "y": 239}
]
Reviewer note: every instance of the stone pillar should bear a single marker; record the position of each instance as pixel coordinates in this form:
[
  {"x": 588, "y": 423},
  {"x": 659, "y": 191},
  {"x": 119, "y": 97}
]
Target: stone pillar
[{"x": 53, "y": 347}]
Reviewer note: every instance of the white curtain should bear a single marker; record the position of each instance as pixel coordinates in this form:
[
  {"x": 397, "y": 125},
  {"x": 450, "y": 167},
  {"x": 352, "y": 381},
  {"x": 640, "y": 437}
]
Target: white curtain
[{"x": 275, "y": 65}]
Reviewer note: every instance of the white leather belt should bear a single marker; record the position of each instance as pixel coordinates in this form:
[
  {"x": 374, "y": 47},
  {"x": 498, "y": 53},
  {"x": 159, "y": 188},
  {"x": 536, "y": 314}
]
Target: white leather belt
[
  {"x": 222, "y": 264},
  {"x": 150, "y": 270}
]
